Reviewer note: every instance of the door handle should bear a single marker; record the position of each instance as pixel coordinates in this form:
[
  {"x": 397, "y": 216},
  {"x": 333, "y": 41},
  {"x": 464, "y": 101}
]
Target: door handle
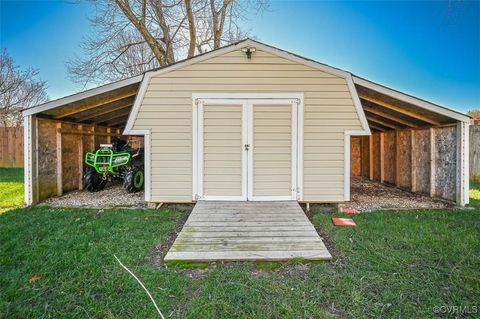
[{"x": 247, "y": 146}]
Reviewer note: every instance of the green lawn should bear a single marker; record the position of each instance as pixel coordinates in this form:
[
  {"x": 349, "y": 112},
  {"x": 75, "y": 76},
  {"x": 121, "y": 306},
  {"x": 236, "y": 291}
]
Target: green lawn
[
  {"x": 11, "y": 188},
  {"x": 475, "y": 194},
  {"x": 393, "y": 264}
]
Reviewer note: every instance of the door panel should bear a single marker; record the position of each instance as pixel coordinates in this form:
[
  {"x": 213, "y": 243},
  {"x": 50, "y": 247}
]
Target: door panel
[
  {"x": 271, "y": 169},
  {"x": 222, "y": 151}
]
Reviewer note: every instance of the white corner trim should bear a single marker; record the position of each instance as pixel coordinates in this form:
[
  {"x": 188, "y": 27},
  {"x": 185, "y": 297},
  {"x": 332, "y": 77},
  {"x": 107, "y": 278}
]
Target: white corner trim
[
  {"x": 358, "y": 105},
  {"x": 82, "y": 95},
  {"x": 194, "y": 149},
  {"x": 346, "y": 159},
  {"x": 300, "y": 130},
  {"x": 412, "y": 100},
  {"x": 147, "y": 151},
  {"x": 136, "y": 104},
  {"x": 27, "y": 160}
]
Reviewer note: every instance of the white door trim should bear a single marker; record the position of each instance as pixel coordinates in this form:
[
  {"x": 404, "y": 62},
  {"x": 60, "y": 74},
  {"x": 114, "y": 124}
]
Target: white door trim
[
  {"x": 294, "y": 150},
  {"x": 198, "y": 156},
  {"x": 247, "y": 100}
]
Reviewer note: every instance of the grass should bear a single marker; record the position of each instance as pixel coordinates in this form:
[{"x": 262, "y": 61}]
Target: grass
[
  {"x": 475, "y": 194},
  {"x": 393, "y": 264},
  {"x": 11, "y": 186}
]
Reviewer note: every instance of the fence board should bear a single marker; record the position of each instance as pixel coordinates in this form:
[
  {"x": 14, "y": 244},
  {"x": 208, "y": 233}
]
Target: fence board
[
  {"x": 475, "y": 152},
  {"x": 11, "y": 146}
]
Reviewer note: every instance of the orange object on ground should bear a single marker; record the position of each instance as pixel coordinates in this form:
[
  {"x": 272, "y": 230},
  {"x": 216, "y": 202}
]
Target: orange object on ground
[
  {"x": 347, "y": 210},
  {"x": 34, "y": 278},
  {"x": 343, "y": 222}
]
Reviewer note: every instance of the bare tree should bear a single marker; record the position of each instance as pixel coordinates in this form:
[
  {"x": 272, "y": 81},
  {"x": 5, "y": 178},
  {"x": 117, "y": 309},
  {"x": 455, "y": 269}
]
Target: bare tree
[
  {"x": 19, "y": 89},
  {"x": 475, "y": 114},
  {"x": 133, "y": 36}
]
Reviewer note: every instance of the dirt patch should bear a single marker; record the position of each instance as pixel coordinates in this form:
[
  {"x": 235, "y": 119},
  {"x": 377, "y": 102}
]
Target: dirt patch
[
  {"x": 287, "y": 269},
  {"x": 367, "y": 195},
  {"x": 113, "y": 196},
  {"x": 159, "y": 252}
]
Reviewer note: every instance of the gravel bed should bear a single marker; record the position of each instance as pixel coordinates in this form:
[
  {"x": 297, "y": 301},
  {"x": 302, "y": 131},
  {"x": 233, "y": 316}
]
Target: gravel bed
[
  {"x": 114, "y": 195},
  {"x": 367, "y": 195}
]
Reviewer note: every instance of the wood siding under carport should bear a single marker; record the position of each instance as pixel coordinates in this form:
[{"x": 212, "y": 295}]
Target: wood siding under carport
[
  {"x": 57, "y": 153},
  {"x": 419, "y": 160}
]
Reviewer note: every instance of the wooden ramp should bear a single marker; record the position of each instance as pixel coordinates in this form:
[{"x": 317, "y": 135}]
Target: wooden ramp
[{"x": 263, "y": 231}]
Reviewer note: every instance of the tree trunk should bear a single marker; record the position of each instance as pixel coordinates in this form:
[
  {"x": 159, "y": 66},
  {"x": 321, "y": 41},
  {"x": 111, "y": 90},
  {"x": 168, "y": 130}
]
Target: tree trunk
[{"x": 191, "y": 28}]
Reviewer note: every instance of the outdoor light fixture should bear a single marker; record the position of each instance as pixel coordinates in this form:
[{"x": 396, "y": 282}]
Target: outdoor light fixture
[{"x": 248, "y": 51}]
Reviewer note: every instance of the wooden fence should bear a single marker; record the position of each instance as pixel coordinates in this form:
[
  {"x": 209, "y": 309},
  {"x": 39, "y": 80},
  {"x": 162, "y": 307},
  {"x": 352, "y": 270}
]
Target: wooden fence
[
  {"x": 475, "y": 152},
  {"x": 11, "y": 146}
]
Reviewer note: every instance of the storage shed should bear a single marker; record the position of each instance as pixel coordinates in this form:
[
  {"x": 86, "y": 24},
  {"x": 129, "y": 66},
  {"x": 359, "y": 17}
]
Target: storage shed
[{"x": 253, "y": 122}]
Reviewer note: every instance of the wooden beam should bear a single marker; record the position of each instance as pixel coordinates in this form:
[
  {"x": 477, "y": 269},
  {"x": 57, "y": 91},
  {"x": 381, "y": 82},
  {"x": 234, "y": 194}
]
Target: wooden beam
[
  {"x": 378, "y": 128},
  {"x": 432, "y": 162},
  {"x": 86, "y": 133},
  {"x": 114, "y": 123},
  {"x": 399, "y": 109},
  {"x": 80, "y": 162},
  {"x": 413, "y": 162},
  {"x": 83, "y": 108},
  {"x": 116, "y": 107},
  {"x": 382, "y": 157},
  {"x": 397, "y": 160},
  {"x": 370, "y": 149},
  {"x": 388, "y": 116},
  {"x": 113, "y": 116},
  {"x": 59, "y": 160},
  {"x": 377, "y": 121}
]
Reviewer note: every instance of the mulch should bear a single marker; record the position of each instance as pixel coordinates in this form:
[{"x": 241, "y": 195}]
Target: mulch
[{"x": 367, "y": 195}]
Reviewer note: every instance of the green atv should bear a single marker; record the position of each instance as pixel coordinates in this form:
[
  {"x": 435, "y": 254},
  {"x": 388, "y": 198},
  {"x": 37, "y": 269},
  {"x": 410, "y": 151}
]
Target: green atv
[{"x": 116, "y": 160}]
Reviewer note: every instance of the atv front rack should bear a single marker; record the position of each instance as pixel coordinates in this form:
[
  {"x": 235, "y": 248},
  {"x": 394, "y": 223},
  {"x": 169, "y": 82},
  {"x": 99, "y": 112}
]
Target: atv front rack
[{"x": 106, "y": 160}]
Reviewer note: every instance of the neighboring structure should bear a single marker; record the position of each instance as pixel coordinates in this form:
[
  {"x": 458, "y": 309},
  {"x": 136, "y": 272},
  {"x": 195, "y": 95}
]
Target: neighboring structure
[
  {"x": 250, "y": 122},
  {"x": 475, "y": 152}
]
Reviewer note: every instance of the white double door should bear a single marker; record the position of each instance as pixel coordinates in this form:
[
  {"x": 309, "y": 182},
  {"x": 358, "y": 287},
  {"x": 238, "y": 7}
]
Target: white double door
[{"x": 246, "y": 149}]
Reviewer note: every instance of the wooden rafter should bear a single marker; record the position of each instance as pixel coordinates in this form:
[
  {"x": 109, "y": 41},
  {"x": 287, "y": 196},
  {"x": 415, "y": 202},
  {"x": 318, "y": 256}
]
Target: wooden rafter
[
  {"x": 376, "y": 127},
  {"x": 112, "y": 107},
  {"x": 83, "y": 108},
  {"x": 117, "y": 122},
  {"x": 388, "y": 116},
  {"x": 112, "y": 115},
  {"x": 383, "y": 123},
  {"x": 399, "y": 109}
]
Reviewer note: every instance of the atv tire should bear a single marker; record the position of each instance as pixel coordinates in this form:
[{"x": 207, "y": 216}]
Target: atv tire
[
  {"x": 133, "y": 179},
  {"x": 92, "y": 181}
]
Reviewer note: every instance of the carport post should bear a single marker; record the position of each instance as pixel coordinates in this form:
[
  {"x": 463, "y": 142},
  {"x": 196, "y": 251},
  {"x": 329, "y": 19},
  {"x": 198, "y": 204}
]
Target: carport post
[
  {"x": 28, "y": 159},
  {"x": 463, "y": 149}
]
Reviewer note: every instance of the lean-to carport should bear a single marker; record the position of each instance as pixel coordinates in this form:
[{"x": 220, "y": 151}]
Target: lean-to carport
[
  {"x": 58, "y": 133},
  {"x": 415, "y": 145}
]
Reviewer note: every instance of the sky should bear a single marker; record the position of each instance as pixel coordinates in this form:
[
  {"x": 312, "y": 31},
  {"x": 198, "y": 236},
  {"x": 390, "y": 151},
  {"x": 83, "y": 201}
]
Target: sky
[{"x": 429, "y": 49}]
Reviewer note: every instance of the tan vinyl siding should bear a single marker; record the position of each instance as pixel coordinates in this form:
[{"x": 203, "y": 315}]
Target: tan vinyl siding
[
  {"x": 222, "y": 147},
  {"x": 167, "y": 110},
  {"x": 272, "y": 150}
]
